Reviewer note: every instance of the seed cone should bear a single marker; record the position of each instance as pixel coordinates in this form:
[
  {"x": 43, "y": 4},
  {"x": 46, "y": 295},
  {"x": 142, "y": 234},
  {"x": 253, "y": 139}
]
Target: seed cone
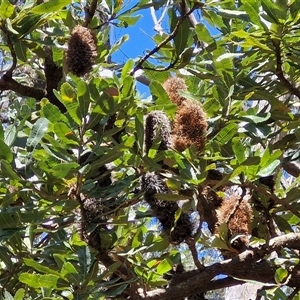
[
  {"x": 158, "y": 125},
  {"x": 82, "y": 51},
  {"x": 165, "y": 210},
  {"x": 237, "y": 214},
  {"x": 190, "y": 126},
  {"x": 172, "y": 87}
]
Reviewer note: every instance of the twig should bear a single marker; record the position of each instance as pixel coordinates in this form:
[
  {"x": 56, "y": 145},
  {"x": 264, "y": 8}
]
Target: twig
[
  {"x": 89, "y": 13},
  {"x": 279, "y": 72},
  {"x": 166, "y": 40},
  {"x": 191, "y": 243},
  {"x": 293, "y": 294}
]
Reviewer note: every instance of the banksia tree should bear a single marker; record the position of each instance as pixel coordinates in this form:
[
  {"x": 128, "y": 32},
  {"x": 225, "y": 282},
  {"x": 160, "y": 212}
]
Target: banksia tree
[
  {"x": 82, "y": 51},
  {"x": 189, "y": 126}
]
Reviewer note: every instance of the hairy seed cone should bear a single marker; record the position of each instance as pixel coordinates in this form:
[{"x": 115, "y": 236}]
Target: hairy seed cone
[
  {"x": 157, "y": 125},
  {"x": 82, "y": 51},
  {"x": 172, "y": 87},
  {"x": 190, "y": 126},
  {"x": 165, "y": 210}
]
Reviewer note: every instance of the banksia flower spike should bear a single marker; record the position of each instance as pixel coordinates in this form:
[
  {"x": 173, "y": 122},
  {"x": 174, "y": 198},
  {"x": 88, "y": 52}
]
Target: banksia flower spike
[
  {"x": 172, "y": 87},
  {"x": 82, "y": 51},
  {"x": 189, "y": 126}
]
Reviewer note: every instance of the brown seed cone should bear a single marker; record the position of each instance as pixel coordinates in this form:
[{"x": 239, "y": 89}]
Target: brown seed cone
[
  {"x": 172, "y": 87},
  {"x": 82, "y": 51},
  {"x": 189, "y": 126},
  {"x": 157, "y": 124},
  {"x": 238, "y": 216},
  {"x": 165, "y": 210}
]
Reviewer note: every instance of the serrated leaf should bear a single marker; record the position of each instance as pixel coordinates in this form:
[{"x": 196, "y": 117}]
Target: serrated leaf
[
  {"x": 52, "y": 113},
  {"x": 51, "y": 6},
  {"x": 19, "y": 295},
  {"x": 68, "y": 98},
  {"x": 203, "y": 34},
  {"x": 38, "y": 130},
  {"x": 227, "y": 133},
  {"x": 48, "y": 281},
  {"x": 65, "y": 134},
  {"x": 40, "y": 268},
  {"x": 239, "y": 150},
  {"x": 32, "y": 280}
]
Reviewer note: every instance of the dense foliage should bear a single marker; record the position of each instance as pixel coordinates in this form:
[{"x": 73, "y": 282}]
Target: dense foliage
[{"x": 105, "y": 194}]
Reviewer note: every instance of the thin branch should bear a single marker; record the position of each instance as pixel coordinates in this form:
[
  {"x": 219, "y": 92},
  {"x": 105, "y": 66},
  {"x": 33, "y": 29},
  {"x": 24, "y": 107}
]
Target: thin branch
[
  {"x": 89, "y": 13},
  {"x": 191, "y": 243},
  {"x": 292, "y": 168},
  {"x": 166, "y": 40},
  {"x": 279, "y": 71}
]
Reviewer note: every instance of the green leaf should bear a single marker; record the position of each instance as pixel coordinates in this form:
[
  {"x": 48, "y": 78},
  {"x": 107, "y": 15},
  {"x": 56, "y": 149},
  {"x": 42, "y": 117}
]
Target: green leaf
[
  {"x": 61, "y": 170},
  {"x": 65, "y": 134},
  {"x": 280, "y": 275},
  {"x": 38, "y": 130},
  {"x": 32, "y": 280},
  {"x": 164, "y": 267},
  {"x": 238, "y": 149},
  {"x": 68, "y": 98},
  {"x": 51, "y": 6},
  {"x": 20, "y": 48},
  {"x": 5, "y": 152},
  {"x": 269, "y": 170},
  {"x": 182, "y": 36},
  {"x": 20, "y": 294},
  {"x": 48, "y": 281},
  {"x": 41, "y": 268},
  {"x": 203, "y": 34},
  {"x": 227, "y": 133},
  {"x": 52, "y": 113},
  {"x": 252, "y": 9},
  {"x": 6, "y": 9},
  {"x": 7, "y": 171},
  {"x": 129, "y": 19},
  {"x": 139, "y": 126},
  {"x": 83, "y": 98}
]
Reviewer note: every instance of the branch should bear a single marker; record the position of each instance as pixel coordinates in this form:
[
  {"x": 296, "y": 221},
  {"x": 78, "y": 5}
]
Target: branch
[
  {"x": 292, "y": 168},
  {"x": 279, "y": 71},
  {"x": 258, "y": 269},
  {"x": 166, "y": 40},
  {"x": 89, "y": 12},
  {"x": 8, "y": 83}
]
